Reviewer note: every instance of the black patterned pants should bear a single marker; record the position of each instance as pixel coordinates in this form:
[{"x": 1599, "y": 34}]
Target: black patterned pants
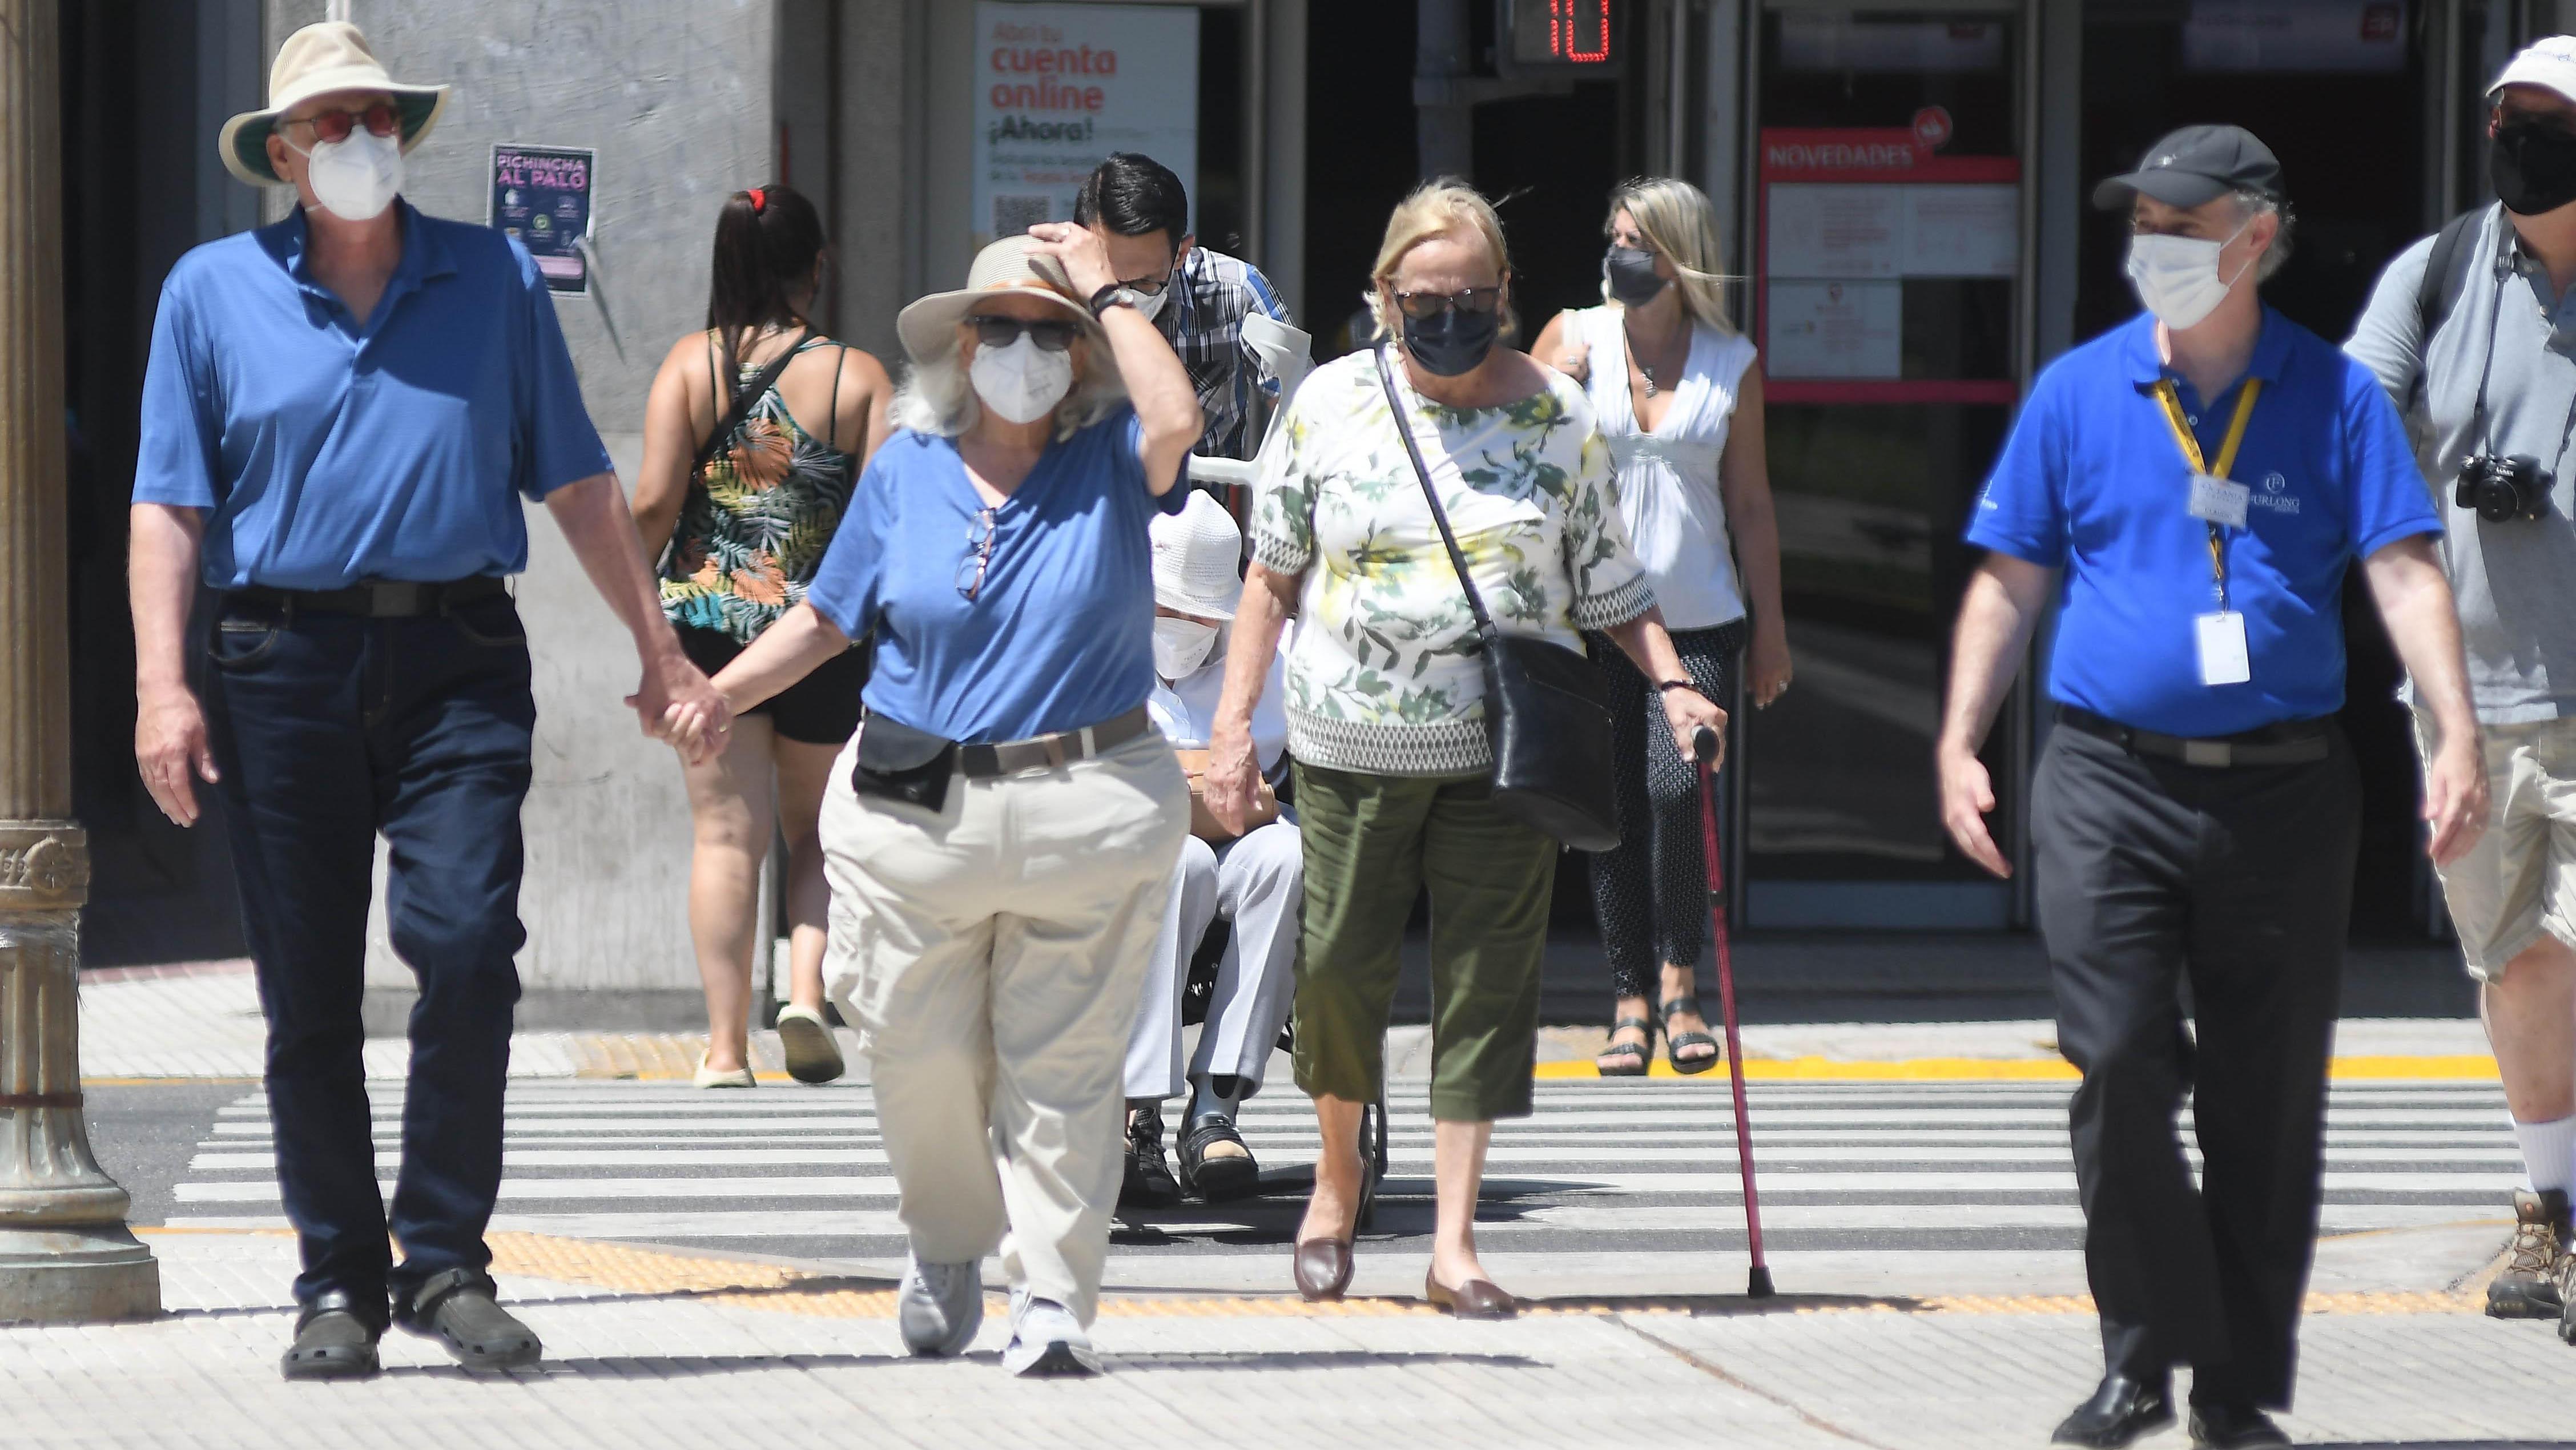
[{"x": 1650, "y": 893}]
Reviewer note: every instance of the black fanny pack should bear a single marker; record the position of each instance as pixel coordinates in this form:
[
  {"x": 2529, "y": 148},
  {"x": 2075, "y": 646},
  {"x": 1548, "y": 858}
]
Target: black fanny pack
[{"x": 900, "y": 763}]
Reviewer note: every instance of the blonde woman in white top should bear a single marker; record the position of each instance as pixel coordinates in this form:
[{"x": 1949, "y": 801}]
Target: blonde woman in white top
[{"x": 1677, "y": 393}]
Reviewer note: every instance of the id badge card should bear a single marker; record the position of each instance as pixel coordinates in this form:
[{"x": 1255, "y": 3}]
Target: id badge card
[
  {"x": 2222, "y": 648},
  {"x": 2215, "y": 500}
]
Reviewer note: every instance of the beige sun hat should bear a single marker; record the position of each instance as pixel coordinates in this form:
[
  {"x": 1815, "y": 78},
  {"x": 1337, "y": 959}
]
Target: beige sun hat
[
  {"x": 1198, "y": 558},
  {"x": 928, "y": 326},
  {"x": 315, "y": 61}
]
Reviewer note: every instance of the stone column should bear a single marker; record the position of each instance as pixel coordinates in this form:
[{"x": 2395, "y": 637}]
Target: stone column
[{"x": 65, "y": 1253}]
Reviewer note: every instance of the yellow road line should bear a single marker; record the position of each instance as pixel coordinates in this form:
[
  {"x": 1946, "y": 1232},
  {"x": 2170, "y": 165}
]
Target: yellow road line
[{"x": 2451, "y": 1068}]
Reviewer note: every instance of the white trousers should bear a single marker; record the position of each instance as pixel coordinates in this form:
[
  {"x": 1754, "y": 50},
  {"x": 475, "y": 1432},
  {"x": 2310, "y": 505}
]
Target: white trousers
[
  {"x": 991, "y": 956},
  {"x": 1255, "y": 882}
]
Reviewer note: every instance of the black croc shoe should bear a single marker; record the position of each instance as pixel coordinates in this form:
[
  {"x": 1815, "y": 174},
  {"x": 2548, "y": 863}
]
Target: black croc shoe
[
  {"x": 457, "y": 1309},
  {"x": 335, "y": 1339},
  {"x": 1224, "y": 1175}
]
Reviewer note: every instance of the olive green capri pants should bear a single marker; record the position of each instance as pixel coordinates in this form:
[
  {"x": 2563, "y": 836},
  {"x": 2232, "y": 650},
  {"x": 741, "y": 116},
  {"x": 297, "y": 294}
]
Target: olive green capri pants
[{"x": 1372, "y": 843}]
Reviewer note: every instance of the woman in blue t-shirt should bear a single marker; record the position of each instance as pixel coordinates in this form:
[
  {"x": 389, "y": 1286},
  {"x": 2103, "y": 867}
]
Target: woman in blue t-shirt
[{"x": 1001, "y": 834}]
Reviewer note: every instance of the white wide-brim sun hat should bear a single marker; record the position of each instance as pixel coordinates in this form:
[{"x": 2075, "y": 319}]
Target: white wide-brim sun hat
[
  {"x": 316, "y": 61},
  {"x": 1198, "y": 559},
  {"x": 928, "y": 326}
]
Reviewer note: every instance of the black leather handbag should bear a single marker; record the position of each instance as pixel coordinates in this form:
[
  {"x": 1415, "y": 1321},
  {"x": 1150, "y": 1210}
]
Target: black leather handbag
[{"x": 1550, "y": 734}]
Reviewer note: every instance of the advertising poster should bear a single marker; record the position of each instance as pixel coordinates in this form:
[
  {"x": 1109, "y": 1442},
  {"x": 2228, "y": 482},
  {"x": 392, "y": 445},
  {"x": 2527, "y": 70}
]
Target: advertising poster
[
  {"x": 1059, "y": 87},
  {"x": 1837, "y": 329},
  {"x": 541, "y": 195}
]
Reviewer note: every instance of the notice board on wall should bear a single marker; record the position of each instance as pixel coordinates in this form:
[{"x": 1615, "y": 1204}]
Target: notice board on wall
[
  {"x": 1059, "y": 87},
  {"x": 1847, "y": 216},
  {"x": 541, "y": 195}
]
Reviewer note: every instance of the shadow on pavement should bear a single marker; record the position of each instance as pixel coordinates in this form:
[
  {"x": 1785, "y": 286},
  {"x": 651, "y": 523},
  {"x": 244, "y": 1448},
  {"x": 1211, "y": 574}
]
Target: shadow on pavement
[{"x": 628, "y": 1366}]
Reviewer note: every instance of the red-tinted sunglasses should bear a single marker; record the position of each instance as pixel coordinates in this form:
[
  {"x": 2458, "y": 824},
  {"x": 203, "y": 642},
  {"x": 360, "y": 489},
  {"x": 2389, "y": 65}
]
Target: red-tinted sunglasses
[{"x": 380, "y": 119}]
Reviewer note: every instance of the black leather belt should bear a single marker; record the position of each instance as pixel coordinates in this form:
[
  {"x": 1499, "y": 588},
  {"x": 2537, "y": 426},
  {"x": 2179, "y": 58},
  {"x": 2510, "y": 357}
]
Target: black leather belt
[
  {"x": 2291, "y": 742},
  {"x": 378, "y": 598},
  {"x": 1044, "y": 752}
]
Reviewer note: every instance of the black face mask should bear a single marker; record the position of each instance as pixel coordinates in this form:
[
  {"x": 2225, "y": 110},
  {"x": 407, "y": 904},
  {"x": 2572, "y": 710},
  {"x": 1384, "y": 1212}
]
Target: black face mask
[
  {"x": 2533, "y": 166},
  {"x": 1632, "y": 276},
  {"x": 1452, "y": 342}
]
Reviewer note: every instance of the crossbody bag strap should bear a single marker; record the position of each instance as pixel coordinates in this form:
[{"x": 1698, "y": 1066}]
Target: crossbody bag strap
[
  {"x": 744, "y": 401},
  {"x": 1431, "y": 496}
]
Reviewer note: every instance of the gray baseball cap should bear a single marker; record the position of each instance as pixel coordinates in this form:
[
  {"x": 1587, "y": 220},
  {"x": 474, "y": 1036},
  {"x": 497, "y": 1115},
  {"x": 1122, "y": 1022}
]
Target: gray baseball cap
[{"x": 2194, "y": 166}]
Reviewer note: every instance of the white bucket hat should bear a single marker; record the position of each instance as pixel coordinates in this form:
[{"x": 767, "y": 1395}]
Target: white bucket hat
[
  {"x": 315, "y": 61},
  {"x": 928, "y": 326},
  {"x": 1198, "y": 554}
]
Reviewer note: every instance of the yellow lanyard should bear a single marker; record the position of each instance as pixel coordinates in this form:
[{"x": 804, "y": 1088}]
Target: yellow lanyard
[{"x": 2172, "y": 399}]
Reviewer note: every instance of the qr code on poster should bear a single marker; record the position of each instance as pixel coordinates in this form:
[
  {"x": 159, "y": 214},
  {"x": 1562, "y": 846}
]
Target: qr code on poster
[{"x": 1013, "y": 215}]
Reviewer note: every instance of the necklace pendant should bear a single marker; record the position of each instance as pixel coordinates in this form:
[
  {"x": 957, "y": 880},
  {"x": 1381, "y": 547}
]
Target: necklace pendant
[{"x": 1650, "y": 386}]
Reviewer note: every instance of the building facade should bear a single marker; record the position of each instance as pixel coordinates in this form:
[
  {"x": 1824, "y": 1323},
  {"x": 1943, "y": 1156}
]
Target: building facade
[{"x": 1905, "y": 187}]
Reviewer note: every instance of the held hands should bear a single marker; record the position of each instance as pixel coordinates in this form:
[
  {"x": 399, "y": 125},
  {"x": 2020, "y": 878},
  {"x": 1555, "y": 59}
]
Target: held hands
[
  {"x": 1231, "y": 789},
  {"x": 1078, "y": 250},
  {"x": 2455, "y": 799},
  {"x": 1689, "y": 712},
  {"x": 678, "y": 704},
  {"x": 169, "y": 747},
  {"x": 1967, "y": 793}
]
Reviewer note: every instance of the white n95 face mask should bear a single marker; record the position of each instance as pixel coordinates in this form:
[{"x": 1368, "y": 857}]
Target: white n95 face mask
[
  {"x": 1022, "y": 382},
  {"x": 2177, "y": 277},
  {"x": 1151, "y": 303},
  {"x": 1181, "y": 646},
  {"x": 357, "y": 178}
]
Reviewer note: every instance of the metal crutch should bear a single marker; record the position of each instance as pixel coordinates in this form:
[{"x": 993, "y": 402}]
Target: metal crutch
[{"x": 1704, "y": 744}]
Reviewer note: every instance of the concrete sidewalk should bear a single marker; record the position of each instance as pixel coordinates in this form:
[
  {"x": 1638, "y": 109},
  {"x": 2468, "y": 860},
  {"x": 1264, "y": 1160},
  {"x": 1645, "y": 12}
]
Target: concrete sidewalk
[{"x": 647, "y": 1349}]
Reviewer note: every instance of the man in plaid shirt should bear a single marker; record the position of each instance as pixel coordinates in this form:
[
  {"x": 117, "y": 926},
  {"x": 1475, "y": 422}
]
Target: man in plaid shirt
[{"x": 1198, "y": 297}]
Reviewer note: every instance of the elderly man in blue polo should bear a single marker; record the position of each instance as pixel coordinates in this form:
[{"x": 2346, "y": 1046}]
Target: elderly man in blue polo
[
  {"x": 341, "y": 415},
  {"x": 2192, "y": 489}
]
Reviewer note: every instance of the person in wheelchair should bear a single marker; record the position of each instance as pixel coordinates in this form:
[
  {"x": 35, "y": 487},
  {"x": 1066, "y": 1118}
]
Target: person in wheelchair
[{"x": 1252, "y": 882}]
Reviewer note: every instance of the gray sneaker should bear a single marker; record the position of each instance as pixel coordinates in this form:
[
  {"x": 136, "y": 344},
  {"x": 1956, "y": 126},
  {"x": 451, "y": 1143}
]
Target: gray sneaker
[
  {"x": 1046, "y": 1342},
  {"x": 2529, "y": 1287},
  {"x": 939, "y": 1307}
]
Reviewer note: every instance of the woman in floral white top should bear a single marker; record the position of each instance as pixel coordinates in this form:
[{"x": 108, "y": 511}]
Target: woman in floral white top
[{"x": 1386, "y": 704}]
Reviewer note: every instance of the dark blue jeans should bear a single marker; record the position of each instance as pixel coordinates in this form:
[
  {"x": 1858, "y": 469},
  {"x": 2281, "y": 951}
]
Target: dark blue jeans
[{"x": 329, "y": 729}]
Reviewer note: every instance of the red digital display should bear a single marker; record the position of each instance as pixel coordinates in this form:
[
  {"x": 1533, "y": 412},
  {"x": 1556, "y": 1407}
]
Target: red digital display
[{"x": 1562, "y": 32}]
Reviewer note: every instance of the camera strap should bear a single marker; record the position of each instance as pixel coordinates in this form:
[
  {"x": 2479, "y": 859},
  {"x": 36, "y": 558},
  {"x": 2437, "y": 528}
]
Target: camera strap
[{"x": 2171, "y": 398}]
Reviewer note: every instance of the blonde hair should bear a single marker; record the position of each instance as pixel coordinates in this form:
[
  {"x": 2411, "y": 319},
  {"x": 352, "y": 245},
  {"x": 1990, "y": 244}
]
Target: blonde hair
[
  {"x": 1441, "y": 207},
  {"x": 1678, "y": 220}
]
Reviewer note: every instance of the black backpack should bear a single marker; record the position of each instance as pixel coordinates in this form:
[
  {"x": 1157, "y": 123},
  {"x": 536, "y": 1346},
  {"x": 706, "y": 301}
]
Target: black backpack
[{"x": 2446, "y": 276}]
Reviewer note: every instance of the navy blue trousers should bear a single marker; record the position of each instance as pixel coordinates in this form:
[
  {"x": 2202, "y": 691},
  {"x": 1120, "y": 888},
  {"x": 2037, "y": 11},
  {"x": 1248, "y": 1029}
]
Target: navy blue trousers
[{"x": 328, "y": 730}]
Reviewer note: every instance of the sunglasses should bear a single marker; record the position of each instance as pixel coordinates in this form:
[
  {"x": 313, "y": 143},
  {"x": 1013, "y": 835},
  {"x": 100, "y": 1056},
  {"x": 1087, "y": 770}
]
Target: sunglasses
[
  {"x": 1423, "y": 306},
  {"x": 1004, "y": 331},
  {"x": 380, "y": 119},
  {"x": 979, "y": 555}
]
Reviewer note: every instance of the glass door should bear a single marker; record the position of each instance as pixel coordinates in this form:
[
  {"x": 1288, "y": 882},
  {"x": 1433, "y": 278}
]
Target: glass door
[{"x": 1889, "y": 245}]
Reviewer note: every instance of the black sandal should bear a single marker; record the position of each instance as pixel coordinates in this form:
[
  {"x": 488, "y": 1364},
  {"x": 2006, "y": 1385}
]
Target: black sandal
[
  {"x": 1675, "y": 1042},
  {"x": 1639, "y": 1054}
]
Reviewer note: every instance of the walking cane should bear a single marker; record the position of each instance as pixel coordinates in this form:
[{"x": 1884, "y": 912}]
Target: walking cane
[{"x": 1704, "y": 744}]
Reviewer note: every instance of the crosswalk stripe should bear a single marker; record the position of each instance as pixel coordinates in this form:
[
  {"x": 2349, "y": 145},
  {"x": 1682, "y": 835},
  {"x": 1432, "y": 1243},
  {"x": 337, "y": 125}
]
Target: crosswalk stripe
[{"x": 1599, "y": 1167}]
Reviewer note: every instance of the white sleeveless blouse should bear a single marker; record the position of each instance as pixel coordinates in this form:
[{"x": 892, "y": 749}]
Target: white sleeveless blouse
[{"x": 1668, "y": 477}]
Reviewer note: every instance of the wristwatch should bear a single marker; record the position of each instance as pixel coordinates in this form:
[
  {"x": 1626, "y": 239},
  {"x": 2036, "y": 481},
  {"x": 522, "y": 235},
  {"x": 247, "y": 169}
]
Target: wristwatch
[
  {"x": 1115, "y": 295},
  {"x": 1666, "y": 687}
]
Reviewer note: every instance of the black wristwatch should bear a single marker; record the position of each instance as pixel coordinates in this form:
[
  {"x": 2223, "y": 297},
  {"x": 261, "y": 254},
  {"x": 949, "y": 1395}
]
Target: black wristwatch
[{"x": 1115, "y": 295}]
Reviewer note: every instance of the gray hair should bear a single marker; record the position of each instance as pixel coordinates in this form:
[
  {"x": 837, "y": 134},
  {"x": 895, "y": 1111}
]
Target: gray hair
[
  {"x": 2251, "y": 204},
  {"x": 936, "y": 397}
]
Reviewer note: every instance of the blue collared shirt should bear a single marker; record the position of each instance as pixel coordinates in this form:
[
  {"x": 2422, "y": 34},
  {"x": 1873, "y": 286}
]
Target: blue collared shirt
[
  {"x": 326, "y": 451},
  {"x": 2093, "y": 481}
]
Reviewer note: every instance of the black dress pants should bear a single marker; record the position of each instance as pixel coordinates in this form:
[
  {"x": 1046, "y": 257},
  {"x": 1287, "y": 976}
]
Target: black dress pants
[{"x": 2239, "y": 880}]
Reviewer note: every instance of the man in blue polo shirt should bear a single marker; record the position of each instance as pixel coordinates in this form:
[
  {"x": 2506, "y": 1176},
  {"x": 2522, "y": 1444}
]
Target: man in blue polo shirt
[
  {"x": 2190, "y": 490},
  {"x": 340, "y": 418}
]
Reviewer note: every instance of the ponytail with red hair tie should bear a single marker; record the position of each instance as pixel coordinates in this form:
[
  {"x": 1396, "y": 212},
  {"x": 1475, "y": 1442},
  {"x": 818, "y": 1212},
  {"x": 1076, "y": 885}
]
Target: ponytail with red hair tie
[{"x": 759, "y": 199}]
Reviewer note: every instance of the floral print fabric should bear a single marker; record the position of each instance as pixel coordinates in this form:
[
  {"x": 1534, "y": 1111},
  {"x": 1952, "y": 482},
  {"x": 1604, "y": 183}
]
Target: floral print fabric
[
  {"x": 756, "y": 522},
  {"x": 1382, "y": 676}
]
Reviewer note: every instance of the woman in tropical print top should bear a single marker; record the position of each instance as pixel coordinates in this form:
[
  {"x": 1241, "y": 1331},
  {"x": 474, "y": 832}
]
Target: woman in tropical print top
[{"x": 738, "y": 539}]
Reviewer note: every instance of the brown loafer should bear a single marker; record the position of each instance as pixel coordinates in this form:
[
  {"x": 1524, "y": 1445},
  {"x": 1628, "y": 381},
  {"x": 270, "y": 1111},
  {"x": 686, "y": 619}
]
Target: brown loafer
[
  {"x": 1323, "y": 1269},
  {"x": 1475, "y": 1299}
]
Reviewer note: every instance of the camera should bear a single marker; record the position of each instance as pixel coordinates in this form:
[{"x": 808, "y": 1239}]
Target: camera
[{"x": 2503, "y": 489}]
